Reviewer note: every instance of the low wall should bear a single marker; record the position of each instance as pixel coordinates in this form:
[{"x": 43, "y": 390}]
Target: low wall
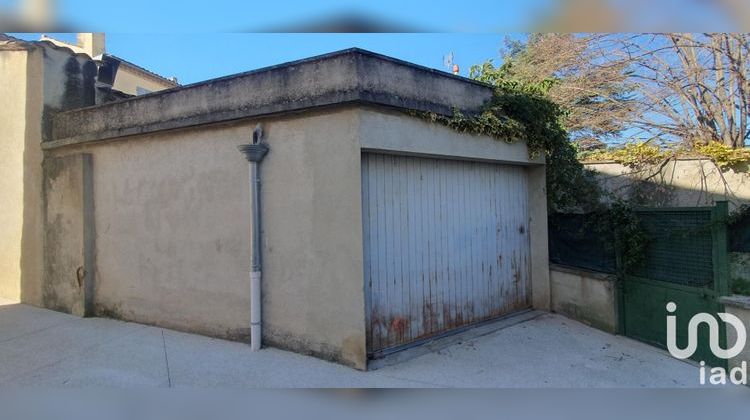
[
  {"x": 586, "y": 296},
  {"x": 679, "y": 183},
  {"x": 738, "y": 306}
]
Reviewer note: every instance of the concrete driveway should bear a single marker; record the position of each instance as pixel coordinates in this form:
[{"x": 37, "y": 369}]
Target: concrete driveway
[{"x": 42, "y": 347}]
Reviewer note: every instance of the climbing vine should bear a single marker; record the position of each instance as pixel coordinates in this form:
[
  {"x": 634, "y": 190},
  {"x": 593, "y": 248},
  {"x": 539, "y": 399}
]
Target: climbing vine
[
  {"x": 644, "y": 153},
  {"x": 519, "y": 113},
  {"x": 632, "y": 154},
  {"x": 724, "y": 156},
  {"x": 630, "y": 238}
]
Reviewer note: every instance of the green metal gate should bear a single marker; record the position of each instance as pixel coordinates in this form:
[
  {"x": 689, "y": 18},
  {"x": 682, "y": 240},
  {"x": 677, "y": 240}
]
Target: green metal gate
[{"x": 686, "y": 263}]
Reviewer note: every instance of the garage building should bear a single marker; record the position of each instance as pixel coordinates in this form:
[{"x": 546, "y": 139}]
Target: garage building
[{"x": 378, "y": 230}]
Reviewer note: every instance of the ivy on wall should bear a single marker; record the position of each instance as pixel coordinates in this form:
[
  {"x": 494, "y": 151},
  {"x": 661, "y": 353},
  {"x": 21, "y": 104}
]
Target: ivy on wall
[
  {"x": 644, "y": 153},
  {"x": 724, "y": 156},
  {"x": 522, "y": 113}
]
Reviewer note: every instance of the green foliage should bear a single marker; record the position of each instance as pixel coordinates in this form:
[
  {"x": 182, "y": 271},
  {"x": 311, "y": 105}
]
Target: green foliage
[
  {"x": 630, "y": 238},
  {"x": 724, "y": 156},
  {"x": 740, "y": 286},
  {"x": 632, "y": 154},
  {"x": 522, "y": 112},
  {"x": 488, "y": 122},
  {"x": 644, "y": 153},
  {"x": 502, "y": 79}
]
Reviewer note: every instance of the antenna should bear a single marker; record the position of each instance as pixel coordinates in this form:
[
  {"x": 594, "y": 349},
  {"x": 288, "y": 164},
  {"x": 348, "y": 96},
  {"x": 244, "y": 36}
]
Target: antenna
[
  {"x": 449, "y": 64},
  {"x": 448, "y": 60}
]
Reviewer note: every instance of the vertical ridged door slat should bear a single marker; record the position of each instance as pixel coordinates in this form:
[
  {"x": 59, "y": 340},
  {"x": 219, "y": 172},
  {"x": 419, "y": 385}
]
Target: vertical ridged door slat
[{"x": 446, "y": 245}]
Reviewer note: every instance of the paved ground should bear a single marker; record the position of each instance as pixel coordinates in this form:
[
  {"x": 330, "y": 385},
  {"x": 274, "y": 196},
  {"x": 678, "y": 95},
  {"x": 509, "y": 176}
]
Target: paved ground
[{"x": 41, "y": 347}]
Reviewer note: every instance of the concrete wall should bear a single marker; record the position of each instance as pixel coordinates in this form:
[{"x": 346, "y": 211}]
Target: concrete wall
[
  {"x": 349, "y": 76},
  {"x": 172, "y": 233},
  {"x": 22, "y": 99},
  {"x": 392, "y": 131},
  {"x": 541, "y": 285},
  {"x": 312, "y": 200},
  {"x": 35, "y": 81},
  {"x": 13, "y": 68},
  {"x": 585, "y": 296},
  {"x": 684, "y": 182},
  {"x": 68, "y": 235}
]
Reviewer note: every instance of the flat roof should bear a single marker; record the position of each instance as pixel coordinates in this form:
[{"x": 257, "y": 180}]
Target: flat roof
[{"x": 344, "y": 77}]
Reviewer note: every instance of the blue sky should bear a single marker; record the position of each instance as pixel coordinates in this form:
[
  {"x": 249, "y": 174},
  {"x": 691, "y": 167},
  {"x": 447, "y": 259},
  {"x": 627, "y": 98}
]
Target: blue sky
[
  {"x": 190, "y": 16},
  {"x": 195, "y": 57}
]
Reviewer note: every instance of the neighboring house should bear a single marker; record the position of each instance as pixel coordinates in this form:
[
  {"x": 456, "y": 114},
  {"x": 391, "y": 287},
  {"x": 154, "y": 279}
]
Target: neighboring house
[
  {"x": 123, "y": 75},
  {"x": 380, "y": 230}
]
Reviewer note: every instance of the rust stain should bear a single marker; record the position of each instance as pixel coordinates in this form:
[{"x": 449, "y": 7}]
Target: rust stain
[
  {"x": 429, "y": 318},
  {"x": 399, "y": 326},
  {"x": 459, "y": 318},
  {"x": 447, "y": 317}
]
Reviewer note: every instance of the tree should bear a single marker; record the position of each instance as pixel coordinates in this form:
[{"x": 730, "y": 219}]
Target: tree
[
  {"x": 593, "y": 90},
  {"x": 695, "y": 88}
]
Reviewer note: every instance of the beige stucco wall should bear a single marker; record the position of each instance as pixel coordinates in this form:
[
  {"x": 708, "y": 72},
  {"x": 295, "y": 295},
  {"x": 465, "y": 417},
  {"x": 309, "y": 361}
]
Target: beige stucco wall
[
  {"x": 127, "y": 80},
  {"x": 172, "y": 233},
  {"x": 35, "y": 81},
  {"x": 684, "y": 182},
  {"x": 13, "y": 123},
  {"x": 541, "y": 287},
  {"x": 21, "y": 104},
  {"x": 397, "y": 132},
  {"x": 68, "y": 234},
  {"x": 585, "y": 296}
]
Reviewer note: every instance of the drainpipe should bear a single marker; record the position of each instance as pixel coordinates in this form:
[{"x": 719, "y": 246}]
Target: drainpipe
[{"x": 254, "y": 153}]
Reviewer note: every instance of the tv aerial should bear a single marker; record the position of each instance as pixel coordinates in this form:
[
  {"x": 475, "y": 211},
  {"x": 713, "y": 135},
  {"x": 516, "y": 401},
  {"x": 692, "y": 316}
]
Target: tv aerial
[{"x": 450, "y": 64}]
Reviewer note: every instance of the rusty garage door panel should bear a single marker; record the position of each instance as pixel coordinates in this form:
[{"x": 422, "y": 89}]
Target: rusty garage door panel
[{"x": 446, "y": 245}]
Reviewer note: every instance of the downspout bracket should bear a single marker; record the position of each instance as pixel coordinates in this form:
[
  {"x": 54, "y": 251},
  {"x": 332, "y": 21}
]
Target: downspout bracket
[{"x": 254, "y": 152}]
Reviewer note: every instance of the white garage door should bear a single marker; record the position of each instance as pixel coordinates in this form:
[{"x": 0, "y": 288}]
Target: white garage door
[{"x": 446, "y": 244}]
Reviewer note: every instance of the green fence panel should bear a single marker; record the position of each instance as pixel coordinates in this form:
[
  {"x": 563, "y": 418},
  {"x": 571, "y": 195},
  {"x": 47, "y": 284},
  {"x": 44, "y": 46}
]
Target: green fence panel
[
  {"x": 575, "y": 242},
  {"x": 739, "y": 235},
  {"x": 680, "y": 246}
]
